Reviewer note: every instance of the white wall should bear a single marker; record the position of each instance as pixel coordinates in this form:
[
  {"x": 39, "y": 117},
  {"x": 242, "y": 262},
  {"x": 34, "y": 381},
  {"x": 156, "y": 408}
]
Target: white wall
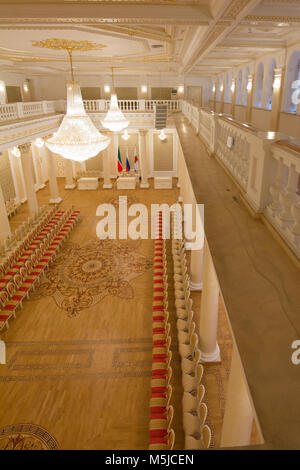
[{"x": 206, "y": 85}]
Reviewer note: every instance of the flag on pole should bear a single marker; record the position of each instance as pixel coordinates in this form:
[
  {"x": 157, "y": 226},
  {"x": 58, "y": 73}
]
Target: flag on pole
[
  {"x": 127, "y": 161},
  {"x": 119, "y": 161},
  {"x": 136, "y": 161}
]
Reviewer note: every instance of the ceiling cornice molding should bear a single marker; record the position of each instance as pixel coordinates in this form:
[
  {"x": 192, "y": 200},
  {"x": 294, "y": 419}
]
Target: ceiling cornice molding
[
  {"x": 273, "y": 19},
  {"x": 90, "y": 21}
]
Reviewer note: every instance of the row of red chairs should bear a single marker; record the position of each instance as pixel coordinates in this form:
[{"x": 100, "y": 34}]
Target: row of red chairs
[
  {"x": 162, "y": 436},
  {"x": 20, "y": 278},
  {"x": 13, "y": 255}
]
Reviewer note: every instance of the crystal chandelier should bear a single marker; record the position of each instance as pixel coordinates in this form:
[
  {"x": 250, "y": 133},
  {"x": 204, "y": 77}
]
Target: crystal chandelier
[
  {"x": 114, "y": 120},
  {"x": 125, "y": 136},
  {"x": 77, "y": 137},
  {"x": 162, "y": 136}
]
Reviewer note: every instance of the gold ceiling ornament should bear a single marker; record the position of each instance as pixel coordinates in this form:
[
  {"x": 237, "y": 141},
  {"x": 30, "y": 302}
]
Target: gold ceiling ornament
[{"x": 67, "y": 44}]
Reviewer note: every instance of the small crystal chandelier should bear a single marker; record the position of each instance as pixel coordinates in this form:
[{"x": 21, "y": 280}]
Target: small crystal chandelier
[
  {"x": 114, "y": 120},
  {"x": 125, "y": 136},
  {"x": 77, "y": 137},
  {"x": 162, "y": 136}
]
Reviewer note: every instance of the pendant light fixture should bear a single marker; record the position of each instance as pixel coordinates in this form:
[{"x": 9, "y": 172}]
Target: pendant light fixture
[
  {"x": 114, "y": 120},
  {"x": 77, "y": 137}
]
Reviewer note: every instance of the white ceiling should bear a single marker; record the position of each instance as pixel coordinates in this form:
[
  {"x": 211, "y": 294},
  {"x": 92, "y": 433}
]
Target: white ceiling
[{"x": 194, "y": 36}]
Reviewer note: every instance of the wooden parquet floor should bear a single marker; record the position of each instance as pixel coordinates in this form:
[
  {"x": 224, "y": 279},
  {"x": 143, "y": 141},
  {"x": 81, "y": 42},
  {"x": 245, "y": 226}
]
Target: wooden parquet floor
[{"x": 84, "y": 377}]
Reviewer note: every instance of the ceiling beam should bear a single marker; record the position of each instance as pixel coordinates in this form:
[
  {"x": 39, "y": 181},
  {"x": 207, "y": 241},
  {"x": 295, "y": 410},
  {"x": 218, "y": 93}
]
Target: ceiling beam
[
  {"x": 113, "y": 13},
  {"x": 220, "y": 28},
  {"x": 260, "y": 45}
]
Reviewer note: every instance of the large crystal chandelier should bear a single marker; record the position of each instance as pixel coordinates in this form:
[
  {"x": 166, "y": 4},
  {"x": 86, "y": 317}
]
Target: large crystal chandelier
[
  {"x": 114, "y": 120},
  {"x": 77, "y": 137}
]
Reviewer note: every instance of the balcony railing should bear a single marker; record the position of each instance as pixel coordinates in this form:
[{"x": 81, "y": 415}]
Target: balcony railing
[
  {"x": 17, "y": 111},
  {"x": 265, "y": 165}
]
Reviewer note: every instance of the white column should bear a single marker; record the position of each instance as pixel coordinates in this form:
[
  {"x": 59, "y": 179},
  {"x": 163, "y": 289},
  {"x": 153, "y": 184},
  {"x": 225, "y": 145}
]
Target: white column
[
  {"x": 25, "y": 150},
  {"x": 143, "y": 160},
  {"x": 69, "y": 174},
  {"x": 106, "y": 169},
  {"x": 208, "y": 325},
  {"x": 15, "y": 175},
  {"x": 54, "y": 194},
  {"x": 4, "y": 223},
  {"x": 196, "y": 270},
  {"x": 113, "y": 150},
  {"x": 37, "y": 166},
  {"x": 238, "y": 417}
]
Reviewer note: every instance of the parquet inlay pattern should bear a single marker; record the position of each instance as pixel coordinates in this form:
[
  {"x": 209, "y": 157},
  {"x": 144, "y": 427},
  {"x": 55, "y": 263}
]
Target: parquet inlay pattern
[
  {"x": 26, "y": 437},
  {"x": 82, "y": 275}
]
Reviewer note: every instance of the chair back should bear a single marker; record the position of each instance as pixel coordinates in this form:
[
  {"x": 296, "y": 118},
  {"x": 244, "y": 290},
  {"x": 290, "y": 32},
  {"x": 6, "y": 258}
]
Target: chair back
[
  {"x": 3, "y": 298},
  {"x": 206, "y": 433}
]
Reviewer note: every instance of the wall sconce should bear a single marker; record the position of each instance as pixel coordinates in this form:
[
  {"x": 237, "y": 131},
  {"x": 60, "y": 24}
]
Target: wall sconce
[
  {"x": 39, "y": 142},
  {"x": 2, "y": 87},
  {"x": 221, "y": 88},
  {"x": 232, "y": 87},
  {"x": 249, "y": 85},
  {"x": 125, "y": 136},
  {"x": 106, "y": 88},
  {"x": 16, "y": 152},
  {"x": 277, "y": 83},
  {"x": 144, "y": 89},
  {"x": 25, "y": 87},
  {"x": 180, "y": 89},
  {"x": 214, "y": 88},
  {"x": 162, "y": 136}
]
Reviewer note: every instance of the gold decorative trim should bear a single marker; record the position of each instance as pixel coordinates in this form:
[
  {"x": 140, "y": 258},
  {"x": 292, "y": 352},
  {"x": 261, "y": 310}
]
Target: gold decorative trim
[
  {"x": 25, "y": 148},
  {"x": 275, "y": 19},
  {"x": 87, "y": 21},
  {"x": 67, "y": 44}
]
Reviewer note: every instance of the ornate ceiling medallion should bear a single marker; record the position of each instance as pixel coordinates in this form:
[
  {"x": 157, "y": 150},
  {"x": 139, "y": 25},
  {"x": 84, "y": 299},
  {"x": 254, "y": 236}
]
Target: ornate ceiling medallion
[{"x": 67, "y": 44}]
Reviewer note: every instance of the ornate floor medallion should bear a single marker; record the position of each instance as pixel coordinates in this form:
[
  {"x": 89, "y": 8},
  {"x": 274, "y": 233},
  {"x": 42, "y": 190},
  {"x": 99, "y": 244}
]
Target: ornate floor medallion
[
  {"x": 26, "y": 437},
  {"x": 83, "y": 275}
]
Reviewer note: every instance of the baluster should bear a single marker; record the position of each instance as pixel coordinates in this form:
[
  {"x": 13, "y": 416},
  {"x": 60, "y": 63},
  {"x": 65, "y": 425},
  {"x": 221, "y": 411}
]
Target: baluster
[
  {"x": 295, "y": 229},
  {"x": 275, "y": 205},
  {"x": 288, "y": 197}
]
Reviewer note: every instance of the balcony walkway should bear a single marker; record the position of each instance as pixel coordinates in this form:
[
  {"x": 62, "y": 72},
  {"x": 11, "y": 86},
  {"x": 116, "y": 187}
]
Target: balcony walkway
[{"x": 261, "y": 290}]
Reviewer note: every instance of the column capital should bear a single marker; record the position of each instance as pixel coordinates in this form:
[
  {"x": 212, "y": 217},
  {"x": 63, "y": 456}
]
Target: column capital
[
  {"x": 143, "y": 131},
  {"x": 25, "y": 148}
]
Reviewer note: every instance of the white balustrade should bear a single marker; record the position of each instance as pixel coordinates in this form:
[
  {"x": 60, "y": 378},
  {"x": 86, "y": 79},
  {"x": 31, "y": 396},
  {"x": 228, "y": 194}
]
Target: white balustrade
[
  {"x": 8, "y": 112},
  {"x": 34, "y": 108},
  {"x": 14, "y": 111},
  {"x": 283, "y": 210},
  {"x": 267, "y": 172}
]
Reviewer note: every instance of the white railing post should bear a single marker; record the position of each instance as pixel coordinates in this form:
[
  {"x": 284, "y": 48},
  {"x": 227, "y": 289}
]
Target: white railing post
[
  {"x": 45, "y": 107},
  {"x": 20, "y": 110}
]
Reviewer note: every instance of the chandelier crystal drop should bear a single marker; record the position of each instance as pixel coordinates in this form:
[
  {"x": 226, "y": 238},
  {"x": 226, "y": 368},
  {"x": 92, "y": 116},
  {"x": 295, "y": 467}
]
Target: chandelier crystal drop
[
  {"x": 114, "y": 120},
  {"x": 77, "y": 137}
]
